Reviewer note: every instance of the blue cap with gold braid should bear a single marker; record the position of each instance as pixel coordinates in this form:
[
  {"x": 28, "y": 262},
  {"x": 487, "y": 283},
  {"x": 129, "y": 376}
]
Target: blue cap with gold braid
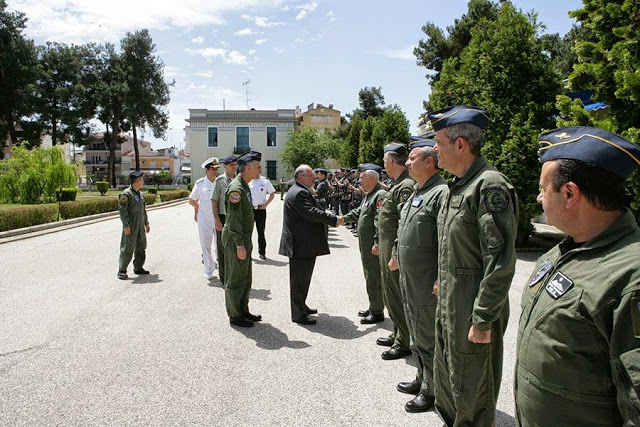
[
  {"x": 397, "y": 147},
  {"x": 458, "y": 114},
  {"x": 425, "y": 142},
  {"x": 370, "y": 167},
  {"x": 593, "y": 146}
]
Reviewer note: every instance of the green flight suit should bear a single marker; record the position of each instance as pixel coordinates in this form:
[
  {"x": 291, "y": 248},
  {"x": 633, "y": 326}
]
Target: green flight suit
[
  {"x": 219, "y": 191},
  {"x": 578, "y": 352},
  {"x": 396, "y": 196},
  {"x": 134, "y": 215},
  {"x": 367, "y": 217},
  {"x": 237, "y": 231},
  {"x": 417, "y": 254},
  {"x": 476, "y": 262}
]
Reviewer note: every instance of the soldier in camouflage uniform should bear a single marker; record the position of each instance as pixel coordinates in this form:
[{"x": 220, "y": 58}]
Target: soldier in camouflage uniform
[
  {"x": 236, "y": 238},
  {"x": 134, "y": 226}
]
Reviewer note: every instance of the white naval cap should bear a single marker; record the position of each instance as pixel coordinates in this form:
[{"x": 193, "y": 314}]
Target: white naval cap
[{"x": 211, "y": 161}]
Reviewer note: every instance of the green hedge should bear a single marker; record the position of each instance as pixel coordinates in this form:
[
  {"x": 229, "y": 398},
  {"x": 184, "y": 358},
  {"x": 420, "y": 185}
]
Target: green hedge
[
  {"x": 88, "y": 207},
  {"x": 173, "y": 195},
  {"x": 152, "y": 190},
  {"x": 26, "y": 216},
  {"x": 102, "y": 187},
  {"x": 149, "y": 199},
  {"x": 68, "y": 194}
]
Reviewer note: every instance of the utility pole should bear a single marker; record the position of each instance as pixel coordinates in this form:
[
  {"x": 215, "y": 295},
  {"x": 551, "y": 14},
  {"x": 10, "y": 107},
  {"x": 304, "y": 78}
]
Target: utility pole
[{"x": 246, "y": 90}]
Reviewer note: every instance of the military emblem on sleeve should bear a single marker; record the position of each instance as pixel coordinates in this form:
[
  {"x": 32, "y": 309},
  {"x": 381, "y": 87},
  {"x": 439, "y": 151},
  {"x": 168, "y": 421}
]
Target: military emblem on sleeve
[
  {"x": 234, "y": 197},
  {"x": 496, "y": 200},
  {"x": 405, "y": 194},
  {"x": 379, "y": 204},
  {"x": 544, "y": 268},
  {"x": 124, "y": 199}
]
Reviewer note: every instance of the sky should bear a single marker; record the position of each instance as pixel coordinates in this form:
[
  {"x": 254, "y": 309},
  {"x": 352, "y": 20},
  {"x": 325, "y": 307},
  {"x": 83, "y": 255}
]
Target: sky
[{"x": 284, "y": 53}]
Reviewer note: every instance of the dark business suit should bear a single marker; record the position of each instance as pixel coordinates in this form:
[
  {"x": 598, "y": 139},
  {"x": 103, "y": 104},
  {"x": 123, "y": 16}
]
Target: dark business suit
[{"x": 303, "y": 239}]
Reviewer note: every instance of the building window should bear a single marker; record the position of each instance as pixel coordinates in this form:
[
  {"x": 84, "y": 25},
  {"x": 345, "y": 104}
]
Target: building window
[
  {"x": 242, "y": 139},
  {"x": 271, "y": 136},
  {"x": 271, "y": 170},
  {"x": 213, "y": 137}
]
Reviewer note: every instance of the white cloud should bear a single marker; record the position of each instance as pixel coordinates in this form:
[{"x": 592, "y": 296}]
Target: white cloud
[
  {"x": 311, "y": 40},
  {"x": 261, "y": 21},
  {"x": 260, "y": 41},
  {"x": 278, "y": 49},
  {"x": 251, "y": 52},
  {"x": 206, "y": 74},
  {"x": 330, "y": 16},
  {"x": 403, "y": 53},
  {"x": 236, "y": 58},
  {"x": 244, "y": 32},
  {"x": 208, "y": 52},
  {"x": 197, "y": 40},
  {"x": 305, "y": 9},
  {"x": 170, "y": 71}
]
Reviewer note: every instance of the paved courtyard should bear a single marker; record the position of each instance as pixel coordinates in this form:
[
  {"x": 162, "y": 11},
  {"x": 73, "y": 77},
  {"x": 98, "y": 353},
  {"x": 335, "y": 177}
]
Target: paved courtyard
[{"x": 80, "y": 347}]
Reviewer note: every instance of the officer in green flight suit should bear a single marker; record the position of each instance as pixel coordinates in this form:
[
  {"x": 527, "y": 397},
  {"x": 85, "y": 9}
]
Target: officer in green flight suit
[
  {"x": 366, "y": 216},
  {"x": 476, "y": 262},
  {"x": 578, "y": 351},
  {"x": 135, "y": 225},
  {"x": 416, "y": 256},
  {"x": 236, "y": 238},
  {"x": 395, "y": 156}
]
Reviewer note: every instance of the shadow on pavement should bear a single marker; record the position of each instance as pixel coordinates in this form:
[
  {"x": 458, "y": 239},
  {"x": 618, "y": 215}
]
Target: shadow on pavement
[
  {"x": 528, "y": 256},
  {"x": 269, "y": 261},
  {"x": 261, "y": 294},
  {"x": 340, "y": 327},
  {"x": 269, "y": 337},
  {"x": 333, "y": 245},
  {"x": 146, "y": 278},
  {"x": 504, "y": 420}
]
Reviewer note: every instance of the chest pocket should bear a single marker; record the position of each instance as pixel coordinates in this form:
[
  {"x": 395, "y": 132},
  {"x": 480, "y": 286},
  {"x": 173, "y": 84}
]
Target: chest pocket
[{"x": 422, "y": 234}]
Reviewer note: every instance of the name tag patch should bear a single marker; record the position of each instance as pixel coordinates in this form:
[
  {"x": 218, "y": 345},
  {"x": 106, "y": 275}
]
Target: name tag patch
[
  {"x": 416, "y": 202},
  {"x": 558, "y": 285},
  {"x": 544, "y": 268}
]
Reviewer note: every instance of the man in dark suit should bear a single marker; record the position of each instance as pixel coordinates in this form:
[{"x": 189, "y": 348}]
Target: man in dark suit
[{"x": 303, "y": 239}]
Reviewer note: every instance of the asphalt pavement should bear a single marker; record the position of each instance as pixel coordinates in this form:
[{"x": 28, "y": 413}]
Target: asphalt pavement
[{"x": 79, "y": 347}]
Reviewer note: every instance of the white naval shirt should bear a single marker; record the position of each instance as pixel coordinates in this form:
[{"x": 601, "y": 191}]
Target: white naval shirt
[
  {"x": 201, "y": 192},
  {"x": 260, "y": 189}
]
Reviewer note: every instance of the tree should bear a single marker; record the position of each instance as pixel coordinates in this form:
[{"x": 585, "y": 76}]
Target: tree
[
  {"x": 371, "y": 102},
  {"x": 17, "y": 72},
  {"x": 392, "y": 126},
  {"x": 350, "y": 149},
  {"x": 307, "y": 146},
  {"x": 148, "y": 93},
  {"x": 505, "y": 70},
  {"x": 609, "y": 64}
]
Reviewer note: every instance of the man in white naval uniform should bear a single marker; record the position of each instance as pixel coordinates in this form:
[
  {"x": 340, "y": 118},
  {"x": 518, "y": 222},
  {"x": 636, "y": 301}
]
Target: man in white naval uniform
[{"x": 200, "y": 199}]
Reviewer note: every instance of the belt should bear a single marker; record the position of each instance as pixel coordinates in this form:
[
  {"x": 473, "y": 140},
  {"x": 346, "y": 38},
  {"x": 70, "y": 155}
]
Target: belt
[{"x": 255, "y": 208}]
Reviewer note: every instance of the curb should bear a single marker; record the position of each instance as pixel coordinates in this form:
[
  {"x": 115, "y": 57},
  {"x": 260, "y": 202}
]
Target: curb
[{"x": 52, "y": 227}]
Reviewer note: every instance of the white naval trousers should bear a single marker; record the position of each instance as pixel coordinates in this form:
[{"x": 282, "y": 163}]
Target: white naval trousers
[{"x": 206, "y": 228}]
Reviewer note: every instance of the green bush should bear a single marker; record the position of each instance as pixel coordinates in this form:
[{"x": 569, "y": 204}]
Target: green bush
[
  {"x": 11, "y": 219},
  {"x": 81, "y": 208},
  {"x": 102, "y": 187},
  {"x": 173, "y": 195},
  {"x": 149, "y": 199},
  {"x": 152, "y": 190},
  {"x": 68, "y": 194},
  {"x": 189, "y": 187}
]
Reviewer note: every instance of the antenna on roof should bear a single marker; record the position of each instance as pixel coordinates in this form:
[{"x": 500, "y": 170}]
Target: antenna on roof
[{"x": 246, "y": 90}]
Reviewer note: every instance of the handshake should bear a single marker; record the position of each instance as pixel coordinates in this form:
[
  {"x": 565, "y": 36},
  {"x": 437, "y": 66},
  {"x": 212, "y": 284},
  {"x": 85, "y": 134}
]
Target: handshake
[{"x": 340, "y": 221}]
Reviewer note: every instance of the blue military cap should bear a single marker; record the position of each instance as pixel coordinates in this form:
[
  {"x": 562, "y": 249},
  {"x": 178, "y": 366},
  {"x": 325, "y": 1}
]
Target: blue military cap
[
  {"x": 135, "y": 175},
  {"x": 395, "y": 146},
  {"x": 593, "y": 146},
  {"x": 323, "y": 171},
  {"x": 458, "y": 114},
  {"x": 249, "y": 156},
  {"x": 423, "y": 142},
  {"x": 229, "y": 159},
  {"x": 370, "y": 167}
]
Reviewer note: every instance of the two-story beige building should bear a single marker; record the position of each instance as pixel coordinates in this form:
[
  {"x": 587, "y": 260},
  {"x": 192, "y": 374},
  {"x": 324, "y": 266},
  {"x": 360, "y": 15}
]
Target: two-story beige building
[
  {"x": 318, "y": 117},
  {"x": 220, "y": 133}
]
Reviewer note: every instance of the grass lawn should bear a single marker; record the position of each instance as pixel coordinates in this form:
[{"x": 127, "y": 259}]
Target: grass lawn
[{"x": 6, "y": 206}]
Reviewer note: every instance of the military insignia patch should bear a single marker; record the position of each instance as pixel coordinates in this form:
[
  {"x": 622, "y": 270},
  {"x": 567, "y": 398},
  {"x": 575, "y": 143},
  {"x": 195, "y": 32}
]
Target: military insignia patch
[
  {"x": 496, "y": 200},
  {"x": 635, "y": 313},
  {"x": 234, "y": 197},
  {"x": 378, "y": 203},
  {"x": 404, "y": 195},
  {"x": 558, "y": 285},
  {"x": 124, "y": 199},
  {"x": 416, "y": 202},
  {"x": 544, "y": 268}
]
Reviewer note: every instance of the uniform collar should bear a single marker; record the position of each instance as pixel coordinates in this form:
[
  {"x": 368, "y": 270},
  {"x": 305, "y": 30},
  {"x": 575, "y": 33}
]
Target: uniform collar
[
  {"x": 404, "y": 175},
  {"x": 431, "y": 181},
  {"x": 476, "y": 167}
]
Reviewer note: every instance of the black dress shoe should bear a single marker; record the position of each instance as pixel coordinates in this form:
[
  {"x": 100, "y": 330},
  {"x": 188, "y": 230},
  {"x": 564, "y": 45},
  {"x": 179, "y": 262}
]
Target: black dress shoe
[
  {"x": 240, "y": 321},
  {"x": 372, "y": 318},
  {"x": 141, "y": 271},
  {"x": 122, "y": 275},
  {"x": 312, "y": 311},
  {"x": 364, "y": 313},
  {"x": 412, "y": 387},
  {"x": 395, "y": 353},
  {"x": 253, "y": 317},
  {"x": 384, "y": 342},
  {"x": 305, "y": 321},
  {"x": 420, "y": 403}
]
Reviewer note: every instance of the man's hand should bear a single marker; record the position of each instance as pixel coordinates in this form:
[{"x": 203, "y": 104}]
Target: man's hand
[
  {"x": 127, "y": 231},
  {"x": 147, "y": 227},
  {"x": 435, "y": 288},
  {"x": 241, "y": 253},
  {"x": 479, "y": 337},
  {"x": 218, "y": 225},
  {"x": 393, "y": 264},
  {"x": 195, "y": 216},
  {"x": 375, "y": 250},
  {"x": 340, "y": 221}
]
